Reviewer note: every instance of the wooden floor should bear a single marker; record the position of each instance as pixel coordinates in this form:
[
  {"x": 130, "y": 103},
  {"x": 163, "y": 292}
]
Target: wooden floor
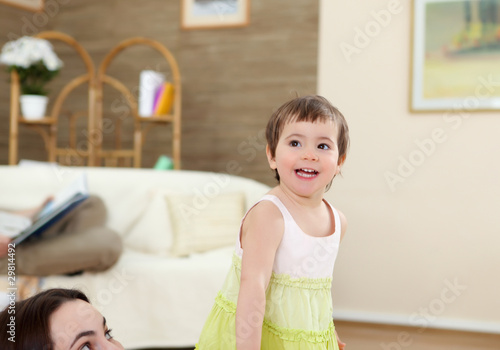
[{"x": 367, "y": 336}]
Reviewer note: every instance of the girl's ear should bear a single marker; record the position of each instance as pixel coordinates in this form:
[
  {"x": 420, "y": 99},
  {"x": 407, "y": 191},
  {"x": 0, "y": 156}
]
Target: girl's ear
[
  {"x": 341, "y": 160},
  {"x": 340, "y": 163},
  {"x": 270, "y": 158}
]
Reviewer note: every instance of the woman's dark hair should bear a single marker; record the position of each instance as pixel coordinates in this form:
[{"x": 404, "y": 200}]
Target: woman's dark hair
[{"x": 30, "y": 328}]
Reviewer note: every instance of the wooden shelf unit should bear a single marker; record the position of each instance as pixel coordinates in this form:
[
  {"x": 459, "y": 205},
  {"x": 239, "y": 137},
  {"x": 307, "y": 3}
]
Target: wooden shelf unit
[
  {"x": 142, "y": 125},
  {"x": 94, "y": 154}
]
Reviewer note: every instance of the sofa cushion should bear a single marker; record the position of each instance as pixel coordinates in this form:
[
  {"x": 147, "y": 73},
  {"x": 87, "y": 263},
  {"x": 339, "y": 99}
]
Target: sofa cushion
[
  {"x": 200, "y": 223},
  {"x": 152, "y": 233}
]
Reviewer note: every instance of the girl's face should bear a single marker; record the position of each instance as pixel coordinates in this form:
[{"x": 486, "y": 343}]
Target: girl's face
[
  {"x": 306, "y": 157},
  {"x": 77, "y": 325}
]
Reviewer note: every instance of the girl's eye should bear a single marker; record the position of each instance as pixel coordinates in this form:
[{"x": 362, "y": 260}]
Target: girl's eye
[
  {"x": 294, "y": 143},
  {"x": 324, "y": 146},
  {"x": 85, "y": 346},
  {"x": 108, "y": 334}
]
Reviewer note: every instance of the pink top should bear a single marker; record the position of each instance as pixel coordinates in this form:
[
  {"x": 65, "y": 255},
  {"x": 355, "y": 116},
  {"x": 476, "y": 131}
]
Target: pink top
[{"x": 300, "y": 254}]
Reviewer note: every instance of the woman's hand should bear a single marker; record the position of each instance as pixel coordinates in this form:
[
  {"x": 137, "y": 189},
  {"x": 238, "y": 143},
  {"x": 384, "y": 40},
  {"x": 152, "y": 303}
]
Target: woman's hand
[
  {"x": 4, "y": 245},
  {"x": 33, "y": 212}
]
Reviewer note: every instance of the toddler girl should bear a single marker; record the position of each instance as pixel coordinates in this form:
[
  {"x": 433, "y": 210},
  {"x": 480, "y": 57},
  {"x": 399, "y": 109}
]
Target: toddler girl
[{"x": 277, "y": 294}]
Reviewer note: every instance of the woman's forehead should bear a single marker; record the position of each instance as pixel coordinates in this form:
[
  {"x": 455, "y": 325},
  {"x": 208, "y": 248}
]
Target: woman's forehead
[{"x": 72, "y": 318}]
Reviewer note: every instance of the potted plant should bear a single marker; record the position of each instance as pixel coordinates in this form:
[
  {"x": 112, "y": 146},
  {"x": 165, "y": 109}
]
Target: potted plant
[{"x": 36, "y": 63}]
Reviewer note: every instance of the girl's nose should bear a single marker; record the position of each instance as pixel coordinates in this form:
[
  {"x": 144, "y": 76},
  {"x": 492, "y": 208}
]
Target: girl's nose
[{"x": 309, "y": 155}]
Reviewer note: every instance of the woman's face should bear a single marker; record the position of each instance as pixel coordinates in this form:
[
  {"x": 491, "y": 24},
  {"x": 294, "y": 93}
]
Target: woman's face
[{"x": 77, "y": 325}]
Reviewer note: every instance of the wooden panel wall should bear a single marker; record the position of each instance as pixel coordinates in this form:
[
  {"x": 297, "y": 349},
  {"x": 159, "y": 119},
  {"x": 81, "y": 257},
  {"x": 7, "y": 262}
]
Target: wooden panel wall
[{"x": 232, "y": 78}]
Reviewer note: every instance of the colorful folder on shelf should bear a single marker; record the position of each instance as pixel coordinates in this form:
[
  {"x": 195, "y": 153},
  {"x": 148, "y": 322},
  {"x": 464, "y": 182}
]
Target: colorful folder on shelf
[
  {"x": 149, "y": 83},
  {"x": 165, "y": 100}
]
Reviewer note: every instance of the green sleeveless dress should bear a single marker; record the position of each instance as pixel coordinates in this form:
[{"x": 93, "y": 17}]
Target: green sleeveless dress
[{"x": 298, "y": 312}]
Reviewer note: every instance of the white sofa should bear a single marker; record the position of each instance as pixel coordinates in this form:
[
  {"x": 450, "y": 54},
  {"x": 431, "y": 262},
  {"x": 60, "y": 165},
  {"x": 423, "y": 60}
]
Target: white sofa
[{"x": 150, "y": 298}]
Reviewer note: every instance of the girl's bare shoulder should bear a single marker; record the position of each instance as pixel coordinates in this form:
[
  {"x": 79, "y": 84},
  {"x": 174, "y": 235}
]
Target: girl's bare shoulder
[
  {"x": 263, "y": 221},
  {"x": 264, "y": 213}
]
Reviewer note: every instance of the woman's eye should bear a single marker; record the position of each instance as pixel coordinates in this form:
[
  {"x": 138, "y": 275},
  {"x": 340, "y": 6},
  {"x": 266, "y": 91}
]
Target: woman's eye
[
  {"x": 85, "y": 347},
  {"x": 294, "y": 143},
  {"x": 108, "y": 334},
  {"x": 323, "y": 146}
]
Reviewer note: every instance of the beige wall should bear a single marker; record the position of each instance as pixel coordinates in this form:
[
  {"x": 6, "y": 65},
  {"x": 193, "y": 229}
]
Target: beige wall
[{"x": 409, "y": 243}]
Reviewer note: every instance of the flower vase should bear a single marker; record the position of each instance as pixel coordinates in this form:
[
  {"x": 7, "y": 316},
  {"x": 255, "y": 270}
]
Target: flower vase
[{"x": 33, "y": 107}]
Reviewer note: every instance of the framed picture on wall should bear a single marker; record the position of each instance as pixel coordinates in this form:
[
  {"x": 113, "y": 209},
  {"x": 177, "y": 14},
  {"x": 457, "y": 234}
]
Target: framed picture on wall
[
  {"x": 31, "y": 5},
  {"x": 455, "y": 55},
  {"x": 199, "y": 14}
]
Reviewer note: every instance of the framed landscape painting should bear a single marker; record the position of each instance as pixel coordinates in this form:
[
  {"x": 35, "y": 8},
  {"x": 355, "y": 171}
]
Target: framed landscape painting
[
  {"x": 455, "y": 55},
  {"x": 199, "y": 14}
]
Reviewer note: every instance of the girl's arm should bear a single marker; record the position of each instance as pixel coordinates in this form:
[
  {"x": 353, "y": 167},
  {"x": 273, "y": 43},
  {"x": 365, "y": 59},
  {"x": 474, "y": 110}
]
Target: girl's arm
[{"x": 261, "y": 235}]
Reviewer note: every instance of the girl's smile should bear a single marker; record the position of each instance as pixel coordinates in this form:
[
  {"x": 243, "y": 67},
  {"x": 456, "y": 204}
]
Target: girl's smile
[{"x": 306, "y": 173}]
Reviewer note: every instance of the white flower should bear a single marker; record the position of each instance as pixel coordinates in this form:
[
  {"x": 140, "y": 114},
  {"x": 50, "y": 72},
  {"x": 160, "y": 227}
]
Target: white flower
[{"x": 27, "y": 50}]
